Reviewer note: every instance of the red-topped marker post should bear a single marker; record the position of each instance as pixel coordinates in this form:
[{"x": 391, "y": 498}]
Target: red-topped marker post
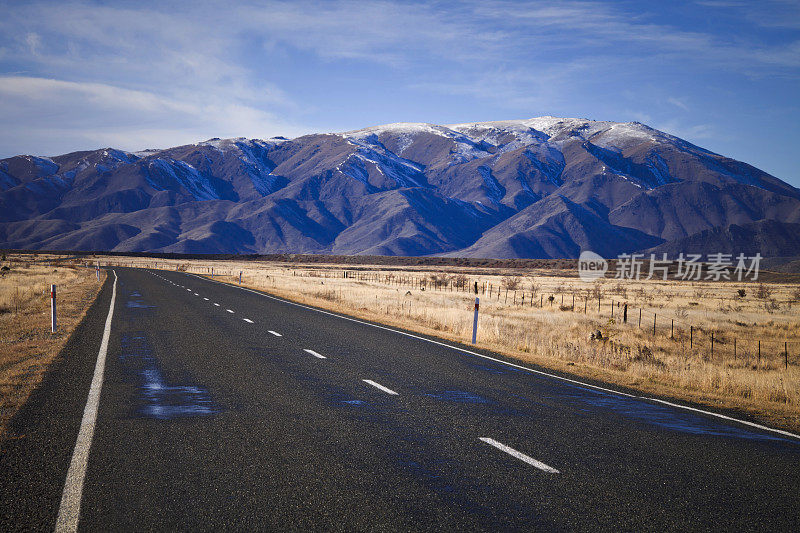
[{"x": 53, "y": 307}]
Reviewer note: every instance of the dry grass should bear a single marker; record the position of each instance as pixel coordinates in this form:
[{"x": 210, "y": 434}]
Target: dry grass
[
  {"x": 27, "y": 346},
  {"x": 549, "y": 328}
]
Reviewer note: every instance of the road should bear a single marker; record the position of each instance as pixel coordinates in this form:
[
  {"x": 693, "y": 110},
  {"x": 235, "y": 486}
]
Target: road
[{"x": 222, "y": 408}]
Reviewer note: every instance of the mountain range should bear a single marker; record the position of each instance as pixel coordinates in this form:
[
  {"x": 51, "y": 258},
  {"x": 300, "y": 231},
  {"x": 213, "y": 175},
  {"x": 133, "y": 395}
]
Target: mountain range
[{"x": 545, "y": 187}]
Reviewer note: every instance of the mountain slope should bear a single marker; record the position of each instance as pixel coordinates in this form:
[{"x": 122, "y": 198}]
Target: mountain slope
[{"x": 542, "y": 187}]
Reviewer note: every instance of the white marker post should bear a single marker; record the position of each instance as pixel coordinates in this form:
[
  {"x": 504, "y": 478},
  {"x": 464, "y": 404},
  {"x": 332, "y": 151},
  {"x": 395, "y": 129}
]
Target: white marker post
[
  {"x": 240, "y": 277},
  {"x": 475, "y": 321},
  {"x": 212, "y": 273},
  {"x": 53, "y": 307},
  {"x": 97, "y": 271}
]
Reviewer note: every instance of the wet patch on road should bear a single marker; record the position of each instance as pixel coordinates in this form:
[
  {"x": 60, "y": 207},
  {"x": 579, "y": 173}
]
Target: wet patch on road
[
  {"x": 136, "y": 301},
  {"x": 457, "y": 396},
  {"x": 156, "y": 398},
  {"x": 668, "y": 417}
]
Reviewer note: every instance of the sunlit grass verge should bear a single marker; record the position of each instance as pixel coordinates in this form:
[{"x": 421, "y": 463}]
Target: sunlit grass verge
[{"x": 27, "y": 346}]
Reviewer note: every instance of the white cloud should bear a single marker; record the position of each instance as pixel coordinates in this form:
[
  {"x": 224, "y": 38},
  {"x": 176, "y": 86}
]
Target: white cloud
[
  {"x": 77, "y": 115},
  {"x": 678, "y": 103}
]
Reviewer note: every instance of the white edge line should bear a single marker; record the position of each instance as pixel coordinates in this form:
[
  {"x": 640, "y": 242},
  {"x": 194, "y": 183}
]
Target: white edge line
[
  {"x": 519, "y": 455},
  {"x": 315, "y": 354},
  {"x": 275, "y": 333},
  {"x": 70, "y": 507},
  {"x": 379, "y": 386},
  {"x": 514, "y": 365}
]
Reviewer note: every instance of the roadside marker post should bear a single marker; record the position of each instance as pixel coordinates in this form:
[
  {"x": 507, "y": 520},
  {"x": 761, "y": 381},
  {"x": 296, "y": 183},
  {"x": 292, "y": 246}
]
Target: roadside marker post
[
  {"x": 97, "y": 271},
  {"x": 53, "y": 308},
  {"x": 240, "y": 277},
  {"x": 475, "y": 321}
]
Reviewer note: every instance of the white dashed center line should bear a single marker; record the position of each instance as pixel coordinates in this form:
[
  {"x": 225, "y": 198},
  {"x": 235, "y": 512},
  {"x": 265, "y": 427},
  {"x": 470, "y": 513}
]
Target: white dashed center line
[
  {"x": 216, "y": 304},
  {"x": 196, "y": 294},
  {"x": 247, "y": 320},
  {"x": 379, "y": 386},
  {"x": 275, "y": 333},
  {"x": 519, "y": 455},
  {"x": 228, "y": 310},
  {"x": 206, "y": 299},
  {"x": 315, "y": 354}
]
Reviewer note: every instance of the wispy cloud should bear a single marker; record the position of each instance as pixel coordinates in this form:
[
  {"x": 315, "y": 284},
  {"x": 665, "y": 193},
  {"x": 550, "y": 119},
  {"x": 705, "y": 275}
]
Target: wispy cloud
[
  {"x": 677, "y": 103},
  {"x": 96, "y": 114}
]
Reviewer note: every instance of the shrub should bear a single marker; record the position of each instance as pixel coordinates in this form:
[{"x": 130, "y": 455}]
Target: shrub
[{"x": 763, "y": 292}]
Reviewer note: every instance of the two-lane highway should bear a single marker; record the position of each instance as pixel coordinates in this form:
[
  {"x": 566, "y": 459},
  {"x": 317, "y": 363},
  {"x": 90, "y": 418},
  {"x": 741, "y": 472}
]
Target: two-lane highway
[{"x": 222, "y": 408}]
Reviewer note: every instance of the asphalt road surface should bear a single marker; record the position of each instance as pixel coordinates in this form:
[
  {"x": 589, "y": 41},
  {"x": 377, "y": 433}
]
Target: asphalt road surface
[{"x": 222, "y": 408}]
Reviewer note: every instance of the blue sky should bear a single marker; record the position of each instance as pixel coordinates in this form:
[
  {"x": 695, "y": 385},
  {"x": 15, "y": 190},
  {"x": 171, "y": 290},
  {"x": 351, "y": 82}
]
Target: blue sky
[{"x": 722, "y": 74}]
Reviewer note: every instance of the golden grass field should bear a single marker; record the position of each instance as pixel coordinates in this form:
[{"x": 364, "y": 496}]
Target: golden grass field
[
  {"x": 754, "y": 366},
  {"x": 27, "y": 346}
]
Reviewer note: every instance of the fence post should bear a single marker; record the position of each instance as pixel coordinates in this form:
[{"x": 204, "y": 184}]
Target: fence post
[
  {"x": 654, "y": 324},
  {"x": 672, "y": 329},
  {"x": 640, "y": 319},
  {"x": 476, "y": 287},
  {"x": 734, "y": 348},
  {"x": 759, "y": 353},
  {"x": 691, "y": 337},
  {"x": 712, "y": 344},
  {"x": 475, "y": 321},
  {"x": 53, "y": 308},
  {"x": 625, "y": 314},
  {"x": 785, "y": 354}
]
